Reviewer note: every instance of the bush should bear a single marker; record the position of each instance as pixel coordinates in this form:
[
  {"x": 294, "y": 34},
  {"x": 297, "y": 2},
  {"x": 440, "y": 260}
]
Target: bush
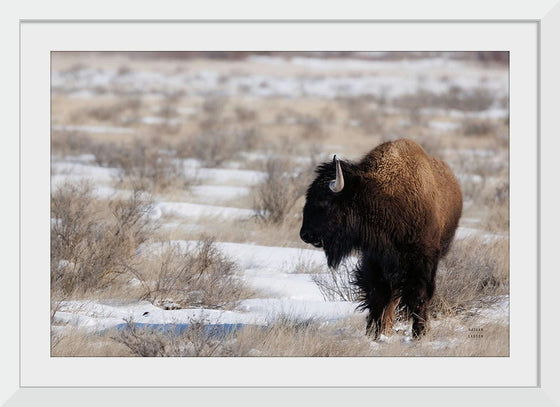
[
  {"x": 277, "y": 194},
  {"x": 469, "y": 100},
  {"x": 473, "y": 270},
  {"x": 475, "y": 127},
  {"x": 144, "y": 165},
  {"x": 217, "y": 146},
  {"x": 338, "y": 285},
  {"x": 200, "y": 276},
  {"x": 198, "y": 339},
  {"x": 89, "y": 251}
]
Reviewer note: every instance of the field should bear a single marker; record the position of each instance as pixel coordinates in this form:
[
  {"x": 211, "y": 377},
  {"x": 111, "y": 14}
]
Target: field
[{"x": 177, "y": 188}]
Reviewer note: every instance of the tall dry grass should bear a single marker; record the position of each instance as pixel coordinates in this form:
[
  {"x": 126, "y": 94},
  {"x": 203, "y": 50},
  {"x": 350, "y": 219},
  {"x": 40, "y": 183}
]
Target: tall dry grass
[
  {"x": 199, "y": 275},
  {"x": 90, "y": 249},
  {"x": 475, "y": 269}
]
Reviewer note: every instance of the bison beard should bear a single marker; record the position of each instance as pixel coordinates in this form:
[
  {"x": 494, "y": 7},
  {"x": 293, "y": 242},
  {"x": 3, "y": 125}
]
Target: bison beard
[{"x": 399, "y": 208}]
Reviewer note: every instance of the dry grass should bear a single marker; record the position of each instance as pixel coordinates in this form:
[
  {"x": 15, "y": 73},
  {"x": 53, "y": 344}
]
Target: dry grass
[
  {"x": 477, "y": 127},
  {"x": 474, "y": 269},
  {"x": 198, "y": 276},
  {"x": 218, "y": 131},
  {"x": 457, "y": 98},
  {"x": 284, "y": 185},
  {"x": 81, "y": 343},
  {"x": 89, "y": 250},
  {"x": 144, "y": 165},
  {"x": 215, "y": 147},
  {"x": 338, "y": 285},
  {"x": 286, "y": 336},
  {"x": 97, "y": 252},
  {"x": 195, "y": 340}
]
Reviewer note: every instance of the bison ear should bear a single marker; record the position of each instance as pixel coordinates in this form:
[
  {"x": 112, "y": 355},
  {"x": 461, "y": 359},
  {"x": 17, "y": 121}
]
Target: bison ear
[{"x": 337, "y": 184}]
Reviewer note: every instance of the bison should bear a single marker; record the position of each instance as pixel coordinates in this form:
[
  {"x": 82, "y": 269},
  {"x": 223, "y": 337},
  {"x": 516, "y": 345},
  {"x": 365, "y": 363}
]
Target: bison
[{"x": 398, "y": 208}]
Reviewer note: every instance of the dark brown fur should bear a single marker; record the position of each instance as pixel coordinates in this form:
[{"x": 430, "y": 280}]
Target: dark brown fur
[{"x": 399, "y": 208}]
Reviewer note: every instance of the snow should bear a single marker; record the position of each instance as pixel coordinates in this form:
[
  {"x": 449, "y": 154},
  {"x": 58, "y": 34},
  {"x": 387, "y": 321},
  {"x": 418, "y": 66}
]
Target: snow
[
  {"x": 211, "y": 193},
  {"x": 75, "y": 172},
  {"x": 443, "y": 125},
  {"x": 311, "y": 77},
  {"x": 466, "y": 232},
  {"x": 190, "y": 210},
  {"x": 92, "y": 129},
  {"x": 272, "y": 269},
  {"x": 228, "y": 176},
  {"x": 274, "y": 272},
  {"x": 159, "y": 120},
  {"x": 493, "y": 309}
]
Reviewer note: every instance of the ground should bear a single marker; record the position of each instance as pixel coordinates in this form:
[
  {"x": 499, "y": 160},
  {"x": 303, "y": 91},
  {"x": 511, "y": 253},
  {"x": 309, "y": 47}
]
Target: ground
[{"x": 154, "y": 153}]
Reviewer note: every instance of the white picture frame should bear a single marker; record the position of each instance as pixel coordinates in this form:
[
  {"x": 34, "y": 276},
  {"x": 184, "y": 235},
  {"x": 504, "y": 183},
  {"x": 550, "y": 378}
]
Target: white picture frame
[{"x": 545, "y": 18}]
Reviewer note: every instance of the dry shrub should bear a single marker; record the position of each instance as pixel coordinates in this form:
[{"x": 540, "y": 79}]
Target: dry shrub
[
  {"x": 306, "y": 265},
  {"x": 243, "y": 114},
  {"x": 474, "y": 269},
  {"x": 72, "y": 342},
  {"x": 88, "y": 251},
  {"x": 496, "y": 217},
  {"x": 283, "y": 185},
  {"x": 477, "y": 127},
  {"x": 144, "y": 165},
  {"x": 457, "y": 98},
  {"x": 366, "y": 113},
  {"x": 72, "y": 143},
  {"x": 114, "y": 112},
  {"x": 288, "y": 336},
  {"x": 217, "y": 146},
  {"x": 221, "y": 136},
  {"x": 197, "y": 339},
  {"x": 200, "y": 276},
  {"x": 338, "y": 285},
  {"x": 150, "y": 169},
  {"x": 285, "y": 336}
]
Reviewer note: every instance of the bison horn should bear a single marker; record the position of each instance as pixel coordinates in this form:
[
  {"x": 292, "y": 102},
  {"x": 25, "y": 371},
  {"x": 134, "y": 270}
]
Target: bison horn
[{"x": 338, "y": 184}]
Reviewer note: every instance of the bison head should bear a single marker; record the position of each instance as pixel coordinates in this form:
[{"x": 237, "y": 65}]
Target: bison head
[{"x": 327, "y": 213}]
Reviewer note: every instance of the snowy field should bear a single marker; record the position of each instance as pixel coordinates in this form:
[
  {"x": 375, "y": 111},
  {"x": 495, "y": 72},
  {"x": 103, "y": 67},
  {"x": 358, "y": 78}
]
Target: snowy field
[{"x": 196, "y": 136}]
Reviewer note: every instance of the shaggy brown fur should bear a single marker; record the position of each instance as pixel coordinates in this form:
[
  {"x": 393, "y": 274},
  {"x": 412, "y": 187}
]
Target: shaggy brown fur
[{"x": 400, "y": 208}]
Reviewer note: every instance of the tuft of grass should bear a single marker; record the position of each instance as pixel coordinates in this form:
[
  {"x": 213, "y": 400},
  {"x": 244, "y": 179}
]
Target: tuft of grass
[{"x": 474, "y": 269}]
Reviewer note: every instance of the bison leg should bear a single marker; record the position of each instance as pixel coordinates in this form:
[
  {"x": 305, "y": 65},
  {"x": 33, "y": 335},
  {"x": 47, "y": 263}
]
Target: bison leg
[
  {"x": 375, "y": 276},
  {"x": 378, "y": 304},
  {"x": 417, "y": 296},
  {"x": 381, "y": 313},
  {"x": 388, "y": 315}
]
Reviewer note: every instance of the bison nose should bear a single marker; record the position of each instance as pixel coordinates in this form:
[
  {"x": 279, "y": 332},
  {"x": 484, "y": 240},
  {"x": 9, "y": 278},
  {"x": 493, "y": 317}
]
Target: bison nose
[{"x": 305, "y": 236}]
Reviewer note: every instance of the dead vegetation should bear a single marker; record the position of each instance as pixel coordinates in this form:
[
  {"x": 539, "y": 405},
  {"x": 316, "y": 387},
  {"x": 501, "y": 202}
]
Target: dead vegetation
[
  {"x": 472, "y": 271},
  {"x": 91, "y": 249},
  {"x": 98, "y": 244},
  {"x": 197, "y": 276},
  {"x": 284, "y": 184},
  {"x": 96, "y": 248},
  {"x": 286, "y": 337}
]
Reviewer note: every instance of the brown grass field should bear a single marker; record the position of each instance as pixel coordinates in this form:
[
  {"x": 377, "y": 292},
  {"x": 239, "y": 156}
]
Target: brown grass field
[{"x": 130, "y": 130}]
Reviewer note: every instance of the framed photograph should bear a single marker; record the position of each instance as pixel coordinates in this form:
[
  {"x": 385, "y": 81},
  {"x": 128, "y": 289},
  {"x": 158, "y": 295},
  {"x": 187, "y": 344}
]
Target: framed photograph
[{"x": 171, "y": 176}]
